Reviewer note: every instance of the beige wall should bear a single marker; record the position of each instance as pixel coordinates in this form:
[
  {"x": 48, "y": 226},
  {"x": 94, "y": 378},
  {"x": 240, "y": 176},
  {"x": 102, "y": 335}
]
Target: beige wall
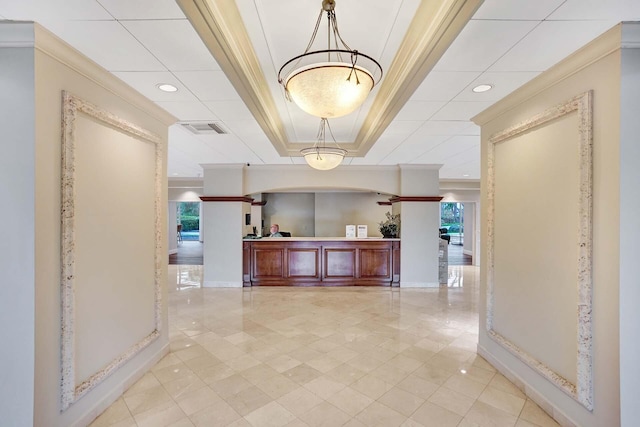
[
  {"x": 335, "y": 210},
  {"x": 293, "y": 212},
  {"x": 68, "y": 70},
  {"x": 596, "y": 68}
]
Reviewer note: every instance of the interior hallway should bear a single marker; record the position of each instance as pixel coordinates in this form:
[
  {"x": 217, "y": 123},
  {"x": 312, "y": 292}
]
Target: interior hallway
[{"x": 323, "y": 356}]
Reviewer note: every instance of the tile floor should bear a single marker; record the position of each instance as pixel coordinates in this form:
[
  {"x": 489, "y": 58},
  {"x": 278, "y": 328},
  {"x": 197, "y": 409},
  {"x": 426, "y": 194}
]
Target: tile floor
[{"x": 323, "y": 357}]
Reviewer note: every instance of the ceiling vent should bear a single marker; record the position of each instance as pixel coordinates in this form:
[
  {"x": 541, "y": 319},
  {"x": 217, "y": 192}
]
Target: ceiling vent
[{"x": 204, "y": 128}]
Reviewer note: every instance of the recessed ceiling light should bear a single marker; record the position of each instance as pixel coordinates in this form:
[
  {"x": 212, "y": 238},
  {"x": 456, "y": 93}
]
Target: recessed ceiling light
[
  {"x": 482, "y": 88},
  {"x": 166, "y": 87},
  {"x": 466, "y": 174},
  {"x": 174, "y": 174}
]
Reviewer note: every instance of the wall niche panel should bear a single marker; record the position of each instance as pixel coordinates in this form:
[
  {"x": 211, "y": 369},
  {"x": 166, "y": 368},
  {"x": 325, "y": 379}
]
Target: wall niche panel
[
  {"x": 111, "y": 244},
  {"x": 539, "y": 244}
]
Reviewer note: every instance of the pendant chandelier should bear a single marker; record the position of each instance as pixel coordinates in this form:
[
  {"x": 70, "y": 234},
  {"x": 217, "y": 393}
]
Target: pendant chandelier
[
  {"x": 332, "y": 82},
  {"x": 320, "y": 156}
]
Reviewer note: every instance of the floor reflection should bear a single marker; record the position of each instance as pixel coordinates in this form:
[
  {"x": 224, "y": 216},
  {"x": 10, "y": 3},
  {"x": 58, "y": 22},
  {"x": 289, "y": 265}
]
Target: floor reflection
[{"x": 187, "y": 276}]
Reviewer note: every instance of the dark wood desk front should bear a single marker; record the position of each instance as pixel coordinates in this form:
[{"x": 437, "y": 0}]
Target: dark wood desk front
[{"x": 321, "y": 262}]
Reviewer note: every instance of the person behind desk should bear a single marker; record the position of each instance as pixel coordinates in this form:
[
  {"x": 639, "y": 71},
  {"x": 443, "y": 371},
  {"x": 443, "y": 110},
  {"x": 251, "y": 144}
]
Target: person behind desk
[{"x": 275, "y": 231}]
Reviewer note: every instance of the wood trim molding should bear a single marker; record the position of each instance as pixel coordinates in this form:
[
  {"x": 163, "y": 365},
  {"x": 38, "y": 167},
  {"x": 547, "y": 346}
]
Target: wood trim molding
[
  {"x": 383, "y": 203},
  {"x": 227, "y": 199},
  {"x": 262, "y": 203},
  {"x": 582, "y": 104},
  {"x": 415, "y": 199},
  {"x": 72, "y": 107}
]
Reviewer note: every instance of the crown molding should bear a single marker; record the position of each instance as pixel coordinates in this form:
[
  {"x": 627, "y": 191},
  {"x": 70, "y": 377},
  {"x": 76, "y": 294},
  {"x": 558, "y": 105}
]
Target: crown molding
[
  {"x": 50, "y": 45},
  {"x": 606, "y": 44},
  {"x": 243, "y": 199},
  {"x": 220, "y": 26},
  {"x": 433, "y": 28}
]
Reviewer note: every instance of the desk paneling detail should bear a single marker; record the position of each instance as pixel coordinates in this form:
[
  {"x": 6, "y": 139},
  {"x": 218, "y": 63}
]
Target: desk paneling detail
[{"x": 321, "y": 263}]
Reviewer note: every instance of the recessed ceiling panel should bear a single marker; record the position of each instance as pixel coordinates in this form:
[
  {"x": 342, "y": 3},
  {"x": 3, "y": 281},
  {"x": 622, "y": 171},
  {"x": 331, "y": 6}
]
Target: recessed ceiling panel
[
  {"x": 552, "y": 41},
  {"x": 40, "y": 10},
  {"x": 208, "y": 85},
  {"x": 517, "y": 10},
  {"x": 230, "y": 110},
  {"x": 188, "y": 110},
  {"x": 143, "y": 9},
  {"x": 481, "y": 43},
  {"x": 503, "y": 84},
  {"x": 443, "y": 85},
  {"x": 175, "y": 43},
  {"x": 146, "y": 83},
  {"x": 419, "y": 110},
  {"x": 460, "y": 110},
  {"x": 108, "y": 43},
  {"x": 614, "y": 10}
]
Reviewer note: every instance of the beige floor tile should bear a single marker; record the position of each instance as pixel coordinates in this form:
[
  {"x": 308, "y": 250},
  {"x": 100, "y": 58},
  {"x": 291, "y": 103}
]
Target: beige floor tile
[
  {"x": 365, "y": 362},
  {"x": 283, "y": 363},
  {"x": 411, "y": 423},
  {"x": 350, "y": 401},
  {"x": 147, "y": 399},
  {"x": 342, "y": 354},
  {"x": 534, "y": 414},
  {"x": 402, "y": 401},
  {"x": 248, "y": 400},
  {"x": 147, "y": 381},
  {"x": 418, "y": 386},
  {"x": 523, "y": 423},
  {"x": 169, "y": 360},
  {"x": 405, "y": 363},
  {"x": 378, "y": 414},
  {"x": 464, "y": 385},
  {"x": 172, "y": 373},
  {"x": 270, "y": 415},
  {"x": 192, "y": 352},
  {"x": 417, "y": 353},
  {"x": 502, "y": 383},
  {"x": 197, "y": 400},
  {"x": 299, "y": 401},
  {"x": 346, "y": 374},
  {"x": 452, "y": 400},
  {"x": 277, "y": 386},
  {"x": 354, "y": 423},
  {"x": 430, "y": 415},
  {"x": 389, "y": 373},
  {"x": 202, "y": 362},
  {"x": 302, "y": 374},
  {"x": 297, "y": 423},
  {"x": 259, "y": 373},
  {"x": 185, "y": 422},
  {"x": 215, "y": 373},
  {"x": 475, "y": 373},
  {"x": 183, "y": 386},
  {"x": 324, "y": 387},
  {"x": 161, "y": 416},
  {"x": 502, "y": 400},
  {"x": 371, "y": 386},
  {"x": 219, "y": 414},
  {"x": 323, "y": 363},
  {"x": 325, "y": 415},
  {"x": 117, "y": 412},
  {"x": 229, "y": 386},
  {"x": 241, "y": 422},
  {"x": 486, "y": 415},
  {"x": 432, "y": 374},
  {"x": 242, "y": 363}
]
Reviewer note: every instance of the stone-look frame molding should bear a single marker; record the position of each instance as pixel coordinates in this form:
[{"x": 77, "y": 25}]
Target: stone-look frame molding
[
  {"x": 583, "y": 105},
  {"x": 72, "y": 106}
]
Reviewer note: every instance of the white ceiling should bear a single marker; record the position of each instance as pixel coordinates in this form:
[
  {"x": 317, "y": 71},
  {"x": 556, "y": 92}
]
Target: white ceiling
[{"x": 147, "y": 42}]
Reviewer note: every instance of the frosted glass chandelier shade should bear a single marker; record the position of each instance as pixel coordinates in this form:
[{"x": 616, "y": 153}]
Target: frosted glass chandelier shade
[
  {"x": 323, "y": 158},
  {"x": 329, "y": 89},
  {"x": 332, "y": 82}
]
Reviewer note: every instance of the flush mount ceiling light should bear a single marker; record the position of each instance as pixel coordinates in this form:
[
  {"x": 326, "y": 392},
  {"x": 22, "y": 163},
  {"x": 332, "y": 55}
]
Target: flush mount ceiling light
[
  {"x": 321, "y": 156},
  {"x": 166, "y": 87},
  {"x": 332, "y": 82},
  {"x": 482, "y": 88}
]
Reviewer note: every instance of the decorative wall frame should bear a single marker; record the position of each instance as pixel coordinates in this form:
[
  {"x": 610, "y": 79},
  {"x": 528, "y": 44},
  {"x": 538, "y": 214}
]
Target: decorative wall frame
[
  {"x": 72, "y": 106},
  {"x": 582, "y": 391}
]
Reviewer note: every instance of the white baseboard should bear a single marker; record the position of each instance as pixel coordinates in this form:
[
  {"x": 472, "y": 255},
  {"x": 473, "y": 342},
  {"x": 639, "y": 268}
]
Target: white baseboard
[
  {"x": 173, "y": 251},
  {"x": 119, "y": 390},
  {"x": 219, "y": 284},
  {"x": 467, "y": 252},
  {"x": 552, "y": 410},
  {"x": 419, "y": 284}
]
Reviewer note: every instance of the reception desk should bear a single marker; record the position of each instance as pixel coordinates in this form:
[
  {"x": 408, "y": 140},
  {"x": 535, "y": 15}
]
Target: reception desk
[{"x": 309, "y": 261}]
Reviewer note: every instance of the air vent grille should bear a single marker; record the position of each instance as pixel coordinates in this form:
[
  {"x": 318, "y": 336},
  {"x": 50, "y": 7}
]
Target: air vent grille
[{"x": 205, "y": 128}]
